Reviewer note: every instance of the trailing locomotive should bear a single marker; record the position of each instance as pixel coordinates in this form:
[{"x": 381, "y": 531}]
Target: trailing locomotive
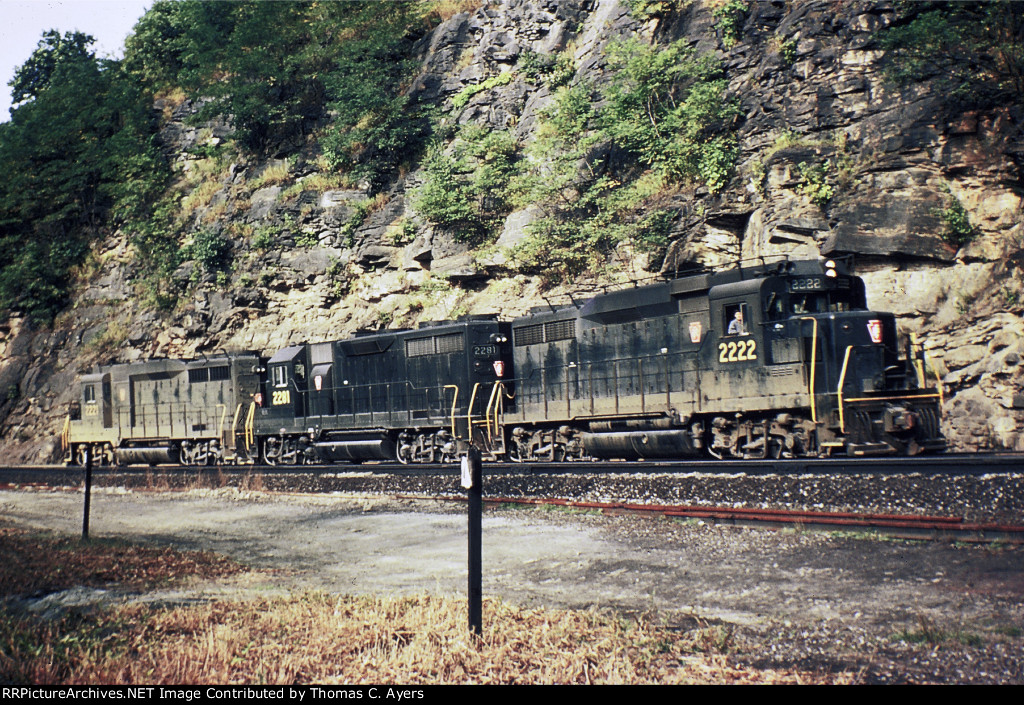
[
  {"x": 410, "y": 395},
  {"x": 778, "y": 360},
  {"x": 164, "y": 411}
]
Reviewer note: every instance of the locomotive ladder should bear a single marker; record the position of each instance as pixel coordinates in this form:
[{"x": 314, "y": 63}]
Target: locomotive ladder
[{"x": 491, "y": 421}]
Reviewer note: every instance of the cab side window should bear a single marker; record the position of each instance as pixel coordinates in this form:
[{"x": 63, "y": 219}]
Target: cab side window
[
  {"x": 736, "y": 319},
  {"x": 775, "y": 307},
  {"x": 280, "y": 379}
]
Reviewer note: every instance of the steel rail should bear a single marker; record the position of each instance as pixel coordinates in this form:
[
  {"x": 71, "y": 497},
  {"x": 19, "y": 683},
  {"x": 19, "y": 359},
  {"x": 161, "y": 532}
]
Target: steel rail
[
  {"x": 899, "y": 525},
  {"x": 948, "y": 463}
]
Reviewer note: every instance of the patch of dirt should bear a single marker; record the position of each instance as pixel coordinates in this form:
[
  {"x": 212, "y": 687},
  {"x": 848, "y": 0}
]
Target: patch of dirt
[{"x": 894, "y": 611}]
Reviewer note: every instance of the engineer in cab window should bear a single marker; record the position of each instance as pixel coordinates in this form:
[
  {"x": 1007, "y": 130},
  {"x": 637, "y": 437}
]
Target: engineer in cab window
[{"x": 736, "y": 325}]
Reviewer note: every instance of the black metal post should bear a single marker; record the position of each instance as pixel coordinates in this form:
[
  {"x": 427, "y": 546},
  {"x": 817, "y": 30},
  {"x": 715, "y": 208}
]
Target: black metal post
[
  {"x": 476, "y": 503},
  {"x": 88, "y": 493}
]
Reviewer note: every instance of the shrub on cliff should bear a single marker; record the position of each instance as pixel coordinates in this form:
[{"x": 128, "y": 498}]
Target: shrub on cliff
[{"x": 974, "y": 51}]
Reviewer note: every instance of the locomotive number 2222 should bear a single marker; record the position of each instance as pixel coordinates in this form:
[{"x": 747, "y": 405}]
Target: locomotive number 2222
[{"x": 737, "y": 351}]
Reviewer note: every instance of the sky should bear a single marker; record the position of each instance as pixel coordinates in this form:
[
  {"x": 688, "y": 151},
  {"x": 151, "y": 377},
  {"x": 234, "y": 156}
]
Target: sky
[{"x": 22, "y": 23}]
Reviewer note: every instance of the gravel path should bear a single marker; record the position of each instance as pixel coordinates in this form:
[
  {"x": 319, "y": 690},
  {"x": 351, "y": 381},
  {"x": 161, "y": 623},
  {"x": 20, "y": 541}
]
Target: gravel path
[{"x": 787, "y": 598}]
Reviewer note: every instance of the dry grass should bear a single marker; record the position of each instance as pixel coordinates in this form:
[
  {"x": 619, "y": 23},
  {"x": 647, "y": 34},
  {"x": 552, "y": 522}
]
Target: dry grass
[
  {"x": 318, "y": 638},
  {"x": 273, "y": 175},
  {"x": 45, "y": 563},
  {"x": 200, "y": 196},
  {"x": 443, "y": 10},
  {"x": 321, "y": 638}
]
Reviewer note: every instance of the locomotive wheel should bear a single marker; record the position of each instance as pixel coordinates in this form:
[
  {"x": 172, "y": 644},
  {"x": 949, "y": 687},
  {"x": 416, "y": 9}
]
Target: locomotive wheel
[
  {"x": 290, "y": 452},
  {"x": 186, "y": 454},
  {"x": 272, "y": 450}
]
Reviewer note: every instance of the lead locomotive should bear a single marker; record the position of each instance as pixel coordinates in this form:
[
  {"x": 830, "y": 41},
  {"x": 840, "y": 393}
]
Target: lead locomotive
[{"x": 774, "y": 360}]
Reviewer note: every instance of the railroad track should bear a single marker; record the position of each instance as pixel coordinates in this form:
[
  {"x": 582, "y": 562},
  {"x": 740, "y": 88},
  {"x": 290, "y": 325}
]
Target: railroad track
[
  {"x": 894, "y": 525},
  {"x": 723, "y": 489},
  {"x": 949, "y": 463}
]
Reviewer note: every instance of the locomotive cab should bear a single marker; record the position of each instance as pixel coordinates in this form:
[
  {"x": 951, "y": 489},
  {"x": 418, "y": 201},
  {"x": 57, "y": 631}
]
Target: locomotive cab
[
  {"x": 89, "y": 425},
  {"x": 863, "y": 395},
  {"x": 808, "y": 369}
]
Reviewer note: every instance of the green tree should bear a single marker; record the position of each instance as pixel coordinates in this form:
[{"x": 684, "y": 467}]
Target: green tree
[
  {"x": 161, "y": 44},
  {"x": 445, "y": 197},
  {"x": 77, "y": 154},
  {"x": 468, "y": 189},
  {"x": 54, "y": 52},
  {"x": 277, "y": 69},
  {"x": 664, "y": 110},
  {"x": 374, "y": 127}
]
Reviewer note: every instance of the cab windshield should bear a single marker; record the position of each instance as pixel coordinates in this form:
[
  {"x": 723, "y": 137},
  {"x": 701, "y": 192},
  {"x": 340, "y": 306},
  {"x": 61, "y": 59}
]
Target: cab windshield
[
  {"x": 821, "y": 302},
  {"x": 782, "y": 305}
]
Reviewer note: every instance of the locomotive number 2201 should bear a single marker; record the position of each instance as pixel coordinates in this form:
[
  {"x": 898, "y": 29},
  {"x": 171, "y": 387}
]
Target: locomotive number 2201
[
  {"x": 737, "y": 351},
  {"x": 281, "y": 396}
]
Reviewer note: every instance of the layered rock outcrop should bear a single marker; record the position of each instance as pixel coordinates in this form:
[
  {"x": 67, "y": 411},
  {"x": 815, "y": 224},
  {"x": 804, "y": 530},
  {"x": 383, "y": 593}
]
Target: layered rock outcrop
[{"x": 834, "y": 158}]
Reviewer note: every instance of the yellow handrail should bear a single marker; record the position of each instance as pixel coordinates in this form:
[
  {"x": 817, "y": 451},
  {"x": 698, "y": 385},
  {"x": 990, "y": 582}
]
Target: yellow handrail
[
  {"x": 893, "y": 397},
  {"x": 469, "y": 412},
  {"x": 234, "y": 426},
  {"x": 919, "y": 365},
  {"x": 493, "y": 403},
  {"x": 916, "y": 355},
  {"x": 250, "y": 434},
  {"x": 455, "y": 400},
  {"x": 814, "y": 363},
  {"x": 839, "y": 390},
  {"x": 223, "y": 415}
]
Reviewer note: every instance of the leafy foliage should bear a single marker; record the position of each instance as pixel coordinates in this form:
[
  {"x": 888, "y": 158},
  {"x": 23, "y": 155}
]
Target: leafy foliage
[
  {"x": 814, "y": 184},
  {"x": 466, "y": 190},
  {"x": 78, "y": 153},
  {"x": 957, "y": 230},
  {"x": 729, "y": 16},
  {"x": 668, "y": 106},
  {"x": 374, "y": 128},
  {"x": 975, "y": 51},
  {"x": 209, "y": 248},
  {"x": 646, "y": 9},
  {"x": 54, "y": 53},
  {"x": 463, "y": 96},
  {"x": 664, "y": 108},
  {"x": 278, "y": 69}
]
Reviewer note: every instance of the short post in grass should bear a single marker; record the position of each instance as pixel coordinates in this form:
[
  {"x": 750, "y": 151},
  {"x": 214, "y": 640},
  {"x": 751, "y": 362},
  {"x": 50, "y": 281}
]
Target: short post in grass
[
  {"x": 472, "y": 480},
  {"x": 88, "y": 493}
]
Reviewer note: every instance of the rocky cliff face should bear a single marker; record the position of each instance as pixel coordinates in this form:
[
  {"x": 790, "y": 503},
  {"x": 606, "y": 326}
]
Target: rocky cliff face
[{"x": 834, "y": 159}]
